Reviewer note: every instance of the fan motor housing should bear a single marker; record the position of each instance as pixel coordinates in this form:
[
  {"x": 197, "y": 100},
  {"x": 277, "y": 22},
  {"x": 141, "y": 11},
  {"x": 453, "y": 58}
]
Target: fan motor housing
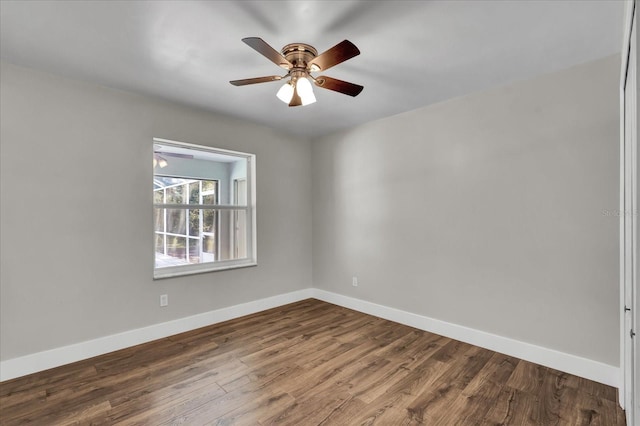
[{"x": 299, "y": 54}]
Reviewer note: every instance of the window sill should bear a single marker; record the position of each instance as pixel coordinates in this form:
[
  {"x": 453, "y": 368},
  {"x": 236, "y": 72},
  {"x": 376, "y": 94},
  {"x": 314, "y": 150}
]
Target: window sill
[{"x": 179, "y": 271}]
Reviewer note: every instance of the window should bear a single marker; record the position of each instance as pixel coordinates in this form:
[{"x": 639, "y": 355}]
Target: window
[{"x": 204, "y": 209}]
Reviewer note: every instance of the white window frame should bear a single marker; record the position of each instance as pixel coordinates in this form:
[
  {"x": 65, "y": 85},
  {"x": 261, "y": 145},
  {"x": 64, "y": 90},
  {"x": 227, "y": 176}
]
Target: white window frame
[{"x": 249, "y": 208}]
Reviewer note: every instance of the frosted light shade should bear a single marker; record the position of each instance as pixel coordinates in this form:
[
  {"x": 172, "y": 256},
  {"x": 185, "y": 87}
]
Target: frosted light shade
[
  {"x": 308, "y": 99},
  {"x": 305, "y": 91},
  {"x": 304, "y": 87},
  {"x": 285, "y": 93}
]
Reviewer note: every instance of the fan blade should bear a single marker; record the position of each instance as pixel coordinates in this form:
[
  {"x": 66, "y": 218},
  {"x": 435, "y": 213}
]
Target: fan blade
[
  {"x": 261, "y": 46},
  {"x": 337, "y": 54},
  {"x": 295, "y": 100},
  {"x": 338, "y": 85},
  {"x": 255, "y": 80}
]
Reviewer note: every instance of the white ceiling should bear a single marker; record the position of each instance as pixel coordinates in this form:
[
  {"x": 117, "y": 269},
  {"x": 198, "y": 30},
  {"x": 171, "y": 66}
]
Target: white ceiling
[{"x": 413, "y": 53}]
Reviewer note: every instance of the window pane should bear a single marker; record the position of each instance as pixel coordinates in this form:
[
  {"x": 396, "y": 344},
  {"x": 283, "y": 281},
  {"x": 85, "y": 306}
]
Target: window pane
[
  {"x": 158, "y": 219},
  {"x": 194, "y": 250},
  {"x": 240, "y": 234},
  {"x": 238, "y": 171},
  {"x": 177, "y": 247},
  {"x": 194, "y": 223},
  {"x": 209, "y": 199},
  {"x": 209, "y": 221},
  {"x": 175, "y": 195},
  {"x": 176, "y": 221},
  {"x": 210, "y": 192},
  {"x": 159, "y": 243},
  {"x": 158, "y": 196},
  {"x": 194, "y": 193},
  {"x": 209, "y": 185},
  {"x": 240, "y": 192},
  {"x": 209, "y": 248},
  {"x": 233, "y": 234},
  {"x": 208, "y": 244}
]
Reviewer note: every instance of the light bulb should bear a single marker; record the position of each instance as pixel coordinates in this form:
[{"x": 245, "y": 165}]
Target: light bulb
[
  {"x": 305, "y": 91},
  {"x": 285, "y": 93}
]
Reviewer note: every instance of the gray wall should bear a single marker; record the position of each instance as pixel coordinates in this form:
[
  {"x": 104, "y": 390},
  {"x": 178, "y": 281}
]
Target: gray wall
[
  {"x": 486, "y": 211},
  {"x": 76, "y": 219}
]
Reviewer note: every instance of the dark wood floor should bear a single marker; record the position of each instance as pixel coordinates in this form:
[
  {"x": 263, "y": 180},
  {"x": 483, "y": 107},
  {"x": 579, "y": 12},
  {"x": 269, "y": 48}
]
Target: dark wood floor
[{"x": 308, "y": 363}]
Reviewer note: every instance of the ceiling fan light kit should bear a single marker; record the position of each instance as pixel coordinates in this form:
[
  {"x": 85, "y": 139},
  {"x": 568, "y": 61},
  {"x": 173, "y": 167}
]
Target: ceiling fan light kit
[
  {"x": 159, "y": 161},
  {"x": 301, "y": 60}
]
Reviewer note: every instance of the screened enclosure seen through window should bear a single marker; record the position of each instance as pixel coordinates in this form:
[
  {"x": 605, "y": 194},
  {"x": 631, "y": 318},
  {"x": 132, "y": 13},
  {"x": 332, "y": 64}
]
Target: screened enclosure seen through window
[{"x": 203, "y": 207}]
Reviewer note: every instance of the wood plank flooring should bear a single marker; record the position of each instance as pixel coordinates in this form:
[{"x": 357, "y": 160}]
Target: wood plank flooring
[{"x": 307, "y": 363}]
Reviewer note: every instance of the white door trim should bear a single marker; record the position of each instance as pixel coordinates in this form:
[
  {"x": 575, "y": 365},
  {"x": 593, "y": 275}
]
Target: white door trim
[{"x": 628, "y": 218}]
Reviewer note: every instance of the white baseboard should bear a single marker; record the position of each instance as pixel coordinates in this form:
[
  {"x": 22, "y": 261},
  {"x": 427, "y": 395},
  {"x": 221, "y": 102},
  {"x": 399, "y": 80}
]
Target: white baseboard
[
  {"x": 586, "y": 368},
  {"x": 572, "y": 364},
  {"x": 39, "y": 361}
]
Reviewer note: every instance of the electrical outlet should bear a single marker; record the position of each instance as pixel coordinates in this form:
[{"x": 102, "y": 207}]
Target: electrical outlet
[
  {"x": 354, "y": 281},
  {"x": 164, "y": 299}
]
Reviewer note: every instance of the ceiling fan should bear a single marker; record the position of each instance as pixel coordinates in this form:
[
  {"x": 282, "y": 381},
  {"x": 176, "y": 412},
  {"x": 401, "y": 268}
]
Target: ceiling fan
[{"x": 301, "y": 60}]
